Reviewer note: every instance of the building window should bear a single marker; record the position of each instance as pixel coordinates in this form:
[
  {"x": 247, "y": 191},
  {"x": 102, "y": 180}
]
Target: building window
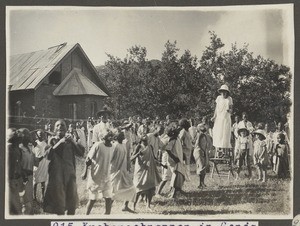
[
  {"x": 73, "y": 107},
  {"x": 55, "y": 78},
  {"x": 93, "y": 108}
]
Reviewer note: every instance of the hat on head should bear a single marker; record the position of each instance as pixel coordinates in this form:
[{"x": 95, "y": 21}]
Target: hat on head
[
  {"x": 243, "y": 128},
  {"x": 260, "y": 131},
  {"x": 201, "y": 127},
  {"x": 224, "y": 88},
  {"x": 126, "y": 125}
]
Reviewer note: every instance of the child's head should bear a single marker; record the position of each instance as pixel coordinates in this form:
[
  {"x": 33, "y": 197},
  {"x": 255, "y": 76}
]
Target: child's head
[
  {"x": 49, "y": 127},
  {"x": 108, "y": 137},
  {"x": 204, "y": 120},
  {"x": 201, "y": 128},
  {"x": 172, "y": 132},
  {"x": 260, "y": 125},
  {"x": 60, "y": 128},
  {"x": 25, "y": 136},
  {"x": 160, "y": 130},
  {"x": 279, "y": 126},
  {"x": 236, "y": 119},
  {"x": 281, "y": 138},
  {"x": 71, "y": 127},
  {"x": 260, "y": 135},
  {"x": 184, "y": 123},
  {"x": 40, "y": 135},
  {"x": 244, "y": 116},
  {"x": 243, "y": 132},
  {"x": 144, "y": 140},
  {"x": 267, "y": 127},
  {"x": 126, "y": 125},
  {"x": 120, "y": 137},
  {"x": 12, "y": 136},
  {"x": 192, "y": 120}
]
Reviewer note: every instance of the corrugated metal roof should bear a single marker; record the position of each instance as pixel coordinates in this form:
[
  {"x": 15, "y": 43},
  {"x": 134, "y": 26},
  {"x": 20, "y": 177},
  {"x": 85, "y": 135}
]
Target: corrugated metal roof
[
  {"x": 29, "y": 69},
  {"x": 77, "y": 84}
]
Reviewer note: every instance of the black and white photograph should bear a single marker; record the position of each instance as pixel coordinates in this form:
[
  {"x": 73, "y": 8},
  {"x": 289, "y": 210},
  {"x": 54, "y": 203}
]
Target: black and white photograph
[{"x": 150, "y": 112}]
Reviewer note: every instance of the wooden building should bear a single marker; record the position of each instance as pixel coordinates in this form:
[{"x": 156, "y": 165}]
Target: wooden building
[{"x": 59, "y": 82}]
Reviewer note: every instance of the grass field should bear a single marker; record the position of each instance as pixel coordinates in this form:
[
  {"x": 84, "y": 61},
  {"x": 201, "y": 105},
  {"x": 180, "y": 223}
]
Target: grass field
[{"x": 221, "y": 197}]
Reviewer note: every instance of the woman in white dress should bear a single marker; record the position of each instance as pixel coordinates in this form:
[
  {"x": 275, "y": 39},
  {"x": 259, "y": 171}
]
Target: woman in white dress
[{"x": 222, "y": 120}]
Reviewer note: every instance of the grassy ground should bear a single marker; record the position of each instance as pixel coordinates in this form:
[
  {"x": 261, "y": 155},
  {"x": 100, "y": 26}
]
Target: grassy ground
[{"x": 221, "y": 197}]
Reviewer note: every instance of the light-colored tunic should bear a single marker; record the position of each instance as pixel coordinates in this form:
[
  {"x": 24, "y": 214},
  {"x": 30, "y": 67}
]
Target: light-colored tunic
[
  {"x": 186, "y": 141},
  {"x": 40, "y": 173},
  {"x": 142, "y": 130},
  {"x": 242, "y": 144},
  {"x": 222, "y": 125},
  {"x": 174, "y": 146},
  {"x": 201, "y": 152},
  {"x": 166, "y": 173},
  {"x": 99, "y": 179},
  {"x": 82, "y": 137},
  {"x": 155, "y": 142},
  {"x": 193, "y": 133},
  {"x": 260, "y": 154},
  {"x": 187, "y": 146},
  {"x": 122, "y": 182},
  {"x": 99, "y": 132},
  {"x": 146, "y": 175},
  {"x": 90, "y": 128}
]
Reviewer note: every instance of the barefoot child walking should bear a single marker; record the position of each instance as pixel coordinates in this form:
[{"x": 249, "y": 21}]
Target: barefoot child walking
[
  {"x": 175, "y": 162},
  {"x": 122, "y": 183},
  {"x": 99, "y": 180},
  {"x": 146, "y": 176},
  {"x": 201, "y": 155}
]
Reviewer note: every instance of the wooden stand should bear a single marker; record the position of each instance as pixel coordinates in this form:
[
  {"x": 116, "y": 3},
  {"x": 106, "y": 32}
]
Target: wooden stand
[{"x": 224, "y": 159}]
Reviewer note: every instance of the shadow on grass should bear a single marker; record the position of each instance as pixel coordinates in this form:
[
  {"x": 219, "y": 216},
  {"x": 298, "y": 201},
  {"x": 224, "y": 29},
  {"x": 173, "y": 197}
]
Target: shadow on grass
[
  {"x": 236, "y": 194},
  {"x": 206, "y": 212}
]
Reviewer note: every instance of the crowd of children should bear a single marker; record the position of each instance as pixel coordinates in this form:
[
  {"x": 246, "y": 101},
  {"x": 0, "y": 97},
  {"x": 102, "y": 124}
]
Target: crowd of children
[{"x": 130, "y": 159}]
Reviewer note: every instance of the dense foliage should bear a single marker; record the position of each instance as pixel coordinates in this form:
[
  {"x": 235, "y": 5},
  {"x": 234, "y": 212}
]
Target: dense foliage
[{"x": 187, "y": 86}]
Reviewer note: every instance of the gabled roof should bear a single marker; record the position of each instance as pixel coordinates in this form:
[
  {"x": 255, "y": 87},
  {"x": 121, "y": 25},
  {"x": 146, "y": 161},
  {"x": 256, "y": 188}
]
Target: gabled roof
[
  {"x": 28, "y": 70},
  {"x": 77, "y": 84}
]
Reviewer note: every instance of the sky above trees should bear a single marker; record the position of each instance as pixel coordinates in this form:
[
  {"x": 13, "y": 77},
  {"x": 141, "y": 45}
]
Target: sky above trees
[{"x": 100, "y": 30}]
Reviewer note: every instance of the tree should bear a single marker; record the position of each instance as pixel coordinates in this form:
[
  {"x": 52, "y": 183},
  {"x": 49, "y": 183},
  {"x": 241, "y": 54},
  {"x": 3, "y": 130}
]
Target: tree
[{"x": 185, "y": 86}]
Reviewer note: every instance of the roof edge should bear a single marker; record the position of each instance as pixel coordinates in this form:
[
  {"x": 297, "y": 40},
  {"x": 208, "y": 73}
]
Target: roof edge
[{"x": 65, "y": 56}]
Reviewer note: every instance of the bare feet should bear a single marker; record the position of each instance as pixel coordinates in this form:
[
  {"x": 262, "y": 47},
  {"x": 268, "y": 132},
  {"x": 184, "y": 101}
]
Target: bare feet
[{"x": 127, "y": 209}]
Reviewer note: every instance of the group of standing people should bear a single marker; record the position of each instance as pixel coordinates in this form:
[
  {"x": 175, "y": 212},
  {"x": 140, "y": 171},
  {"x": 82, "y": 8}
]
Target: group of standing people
[
  {"x": 48, "y": 162},
  {"x": 258, "y": 146},
  {"x": 124, "y": 162},
  {"x": 134, "y": 159}
]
